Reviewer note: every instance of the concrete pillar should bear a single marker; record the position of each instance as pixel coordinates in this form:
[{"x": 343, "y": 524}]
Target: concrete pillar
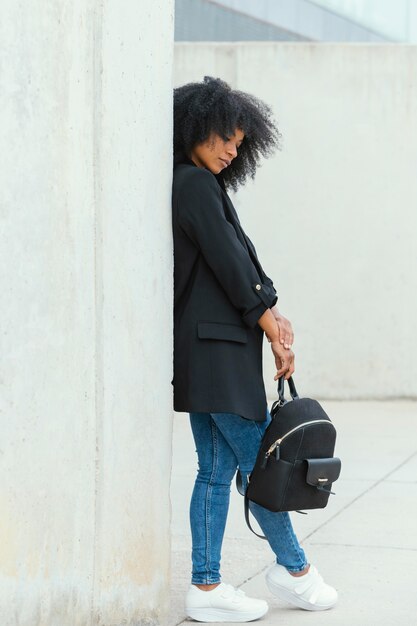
[{"x": 86, "y": 300}]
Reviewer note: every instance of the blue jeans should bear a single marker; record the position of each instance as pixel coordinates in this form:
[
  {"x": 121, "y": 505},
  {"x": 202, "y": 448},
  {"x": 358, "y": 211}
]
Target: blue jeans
[{"x": 225, "y": 442}]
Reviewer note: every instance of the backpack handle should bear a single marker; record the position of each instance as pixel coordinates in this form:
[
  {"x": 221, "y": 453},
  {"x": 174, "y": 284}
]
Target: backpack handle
[
  {"x": 291, "y": 385},
  {"x": 281, "y": 398}
]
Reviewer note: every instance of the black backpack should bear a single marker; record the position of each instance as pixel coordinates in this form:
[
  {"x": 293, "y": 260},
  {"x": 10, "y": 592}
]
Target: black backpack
[{"x": 295, "y": 466}]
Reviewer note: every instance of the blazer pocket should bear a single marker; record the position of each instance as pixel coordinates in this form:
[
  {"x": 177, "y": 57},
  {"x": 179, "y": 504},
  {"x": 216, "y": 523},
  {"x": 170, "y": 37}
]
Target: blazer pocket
[{"x": 225, "y": 332}]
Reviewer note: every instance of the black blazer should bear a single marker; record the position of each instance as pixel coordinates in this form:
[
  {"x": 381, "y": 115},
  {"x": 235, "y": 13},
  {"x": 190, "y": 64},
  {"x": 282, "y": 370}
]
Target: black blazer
[{"x": 220, "y": 291}]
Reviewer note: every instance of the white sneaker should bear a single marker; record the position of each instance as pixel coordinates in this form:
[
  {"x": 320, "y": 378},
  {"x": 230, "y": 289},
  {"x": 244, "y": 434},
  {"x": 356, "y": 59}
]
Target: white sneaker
[
  {"x": 224, "y": 603},
  {"x": 308, "y": 592}
]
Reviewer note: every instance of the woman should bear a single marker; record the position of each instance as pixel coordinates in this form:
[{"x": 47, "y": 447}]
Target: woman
[{"x": 223, "y": 304}]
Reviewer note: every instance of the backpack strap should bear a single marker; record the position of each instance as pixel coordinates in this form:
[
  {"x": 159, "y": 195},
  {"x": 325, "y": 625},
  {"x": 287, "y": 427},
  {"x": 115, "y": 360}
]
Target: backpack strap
[
  {"x": 248, "y": 520},
  {"x": 242, "y": 491}
]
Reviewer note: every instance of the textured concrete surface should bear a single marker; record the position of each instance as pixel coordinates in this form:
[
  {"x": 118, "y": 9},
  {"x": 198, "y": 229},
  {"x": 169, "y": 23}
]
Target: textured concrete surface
[
  {"x": 86, "y": 277},
  {"x": 364, "y": 542}
]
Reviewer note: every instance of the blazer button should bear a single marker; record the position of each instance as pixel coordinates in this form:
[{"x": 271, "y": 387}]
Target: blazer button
[{"x": 258, "y": 287}]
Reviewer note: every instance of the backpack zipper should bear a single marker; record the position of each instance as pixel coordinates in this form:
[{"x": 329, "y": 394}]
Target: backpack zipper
[{"x": 276, "y": 445}]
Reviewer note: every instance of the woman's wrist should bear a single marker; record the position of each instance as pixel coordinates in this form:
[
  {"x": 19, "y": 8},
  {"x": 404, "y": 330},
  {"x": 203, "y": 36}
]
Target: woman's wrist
[
  {"x": 272, "y": 339},
  {"x": 275, "y": 312},
  {"x": 269, "y": 325}
]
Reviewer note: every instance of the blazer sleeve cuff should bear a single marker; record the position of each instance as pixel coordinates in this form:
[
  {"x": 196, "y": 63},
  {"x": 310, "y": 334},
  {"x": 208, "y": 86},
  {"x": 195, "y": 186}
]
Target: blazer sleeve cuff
[
  {"x": 254, "y": 314},
  {"x": 270, "y": 284},
  {"x": 268, "y": 298}
]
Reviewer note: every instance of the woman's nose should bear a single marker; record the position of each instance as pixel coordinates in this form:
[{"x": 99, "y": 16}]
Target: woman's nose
[{"x": 232, "y": 151}]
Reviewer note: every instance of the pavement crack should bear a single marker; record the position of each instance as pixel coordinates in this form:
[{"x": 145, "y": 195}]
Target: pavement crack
[
  {"x": 363, "y": 493},
  {"x": 360, "y": 545},
  {"x": 402, "y": 482},
  {"x": 358, "y": 497}
]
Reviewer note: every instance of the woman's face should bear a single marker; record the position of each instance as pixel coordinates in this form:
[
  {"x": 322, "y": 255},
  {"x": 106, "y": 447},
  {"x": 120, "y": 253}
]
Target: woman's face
[{"x": 217, "y": 152}]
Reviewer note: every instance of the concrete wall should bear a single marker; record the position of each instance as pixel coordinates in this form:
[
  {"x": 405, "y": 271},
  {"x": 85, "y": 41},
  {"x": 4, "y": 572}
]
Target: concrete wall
[
  {"x": 333, "y": 215},
  {"x": 86, "y": 275}
]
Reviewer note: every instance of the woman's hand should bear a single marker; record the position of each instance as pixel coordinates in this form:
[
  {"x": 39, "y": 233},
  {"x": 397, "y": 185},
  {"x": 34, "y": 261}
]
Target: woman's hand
[
  {"x": 284, "y": 357},
  {"x": 284, "y": 360},
  {"x": 286, "y": 334}
]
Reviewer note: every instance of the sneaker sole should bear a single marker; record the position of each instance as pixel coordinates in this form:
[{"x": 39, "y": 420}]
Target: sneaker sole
[
  {"x": 223, "y": 615},
  {"x": 288, "y": 596}
]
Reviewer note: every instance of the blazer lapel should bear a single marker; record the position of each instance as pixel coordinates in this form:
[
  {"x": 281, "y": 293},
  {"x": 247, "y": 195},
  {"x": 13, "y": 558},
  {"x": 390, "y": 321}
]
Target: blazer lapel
[{"x": 232, "y": 217}]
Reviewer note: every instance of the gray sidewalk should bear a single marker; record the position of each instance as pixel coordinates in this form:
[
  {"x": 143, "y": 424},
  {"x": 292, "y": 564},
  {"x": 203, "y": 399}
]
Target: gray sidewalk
[{"x": 364, "y": 542}]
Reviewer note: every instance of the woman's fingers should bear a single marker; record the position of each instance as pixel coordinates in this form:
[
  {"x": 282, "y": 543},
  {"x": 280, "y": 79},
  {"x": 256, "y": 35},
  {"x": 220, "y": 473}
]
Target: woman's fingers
[
  {"x": 284, "y": 361},
  {"x": 288, "y": 341},
  {"x": 281, "y": 371},
  {"x": 287, "y": 359},
  {"x": 286, "y": 334},
  {"x": 291, "y": 369},
  {"x": 289, "y": 336}
]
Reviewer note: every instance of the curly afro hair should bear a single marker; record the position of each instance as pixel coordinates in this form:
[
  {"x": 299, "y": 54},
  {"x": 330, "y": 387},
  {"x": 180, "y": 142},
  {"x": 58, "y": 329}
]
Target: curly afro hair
[{"x": 212, "y": 106}]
